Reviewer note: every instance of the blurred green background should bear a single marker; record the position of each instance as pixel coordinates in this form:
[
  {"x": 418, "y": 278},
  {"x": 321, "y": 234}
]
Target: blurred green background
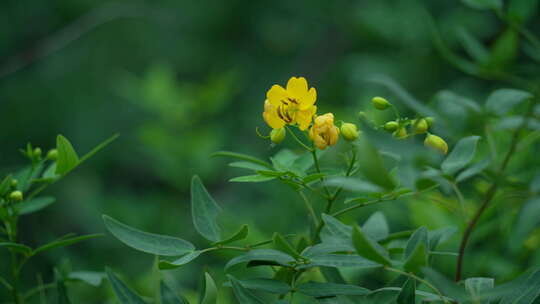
[{"x": 182, "y": 79}]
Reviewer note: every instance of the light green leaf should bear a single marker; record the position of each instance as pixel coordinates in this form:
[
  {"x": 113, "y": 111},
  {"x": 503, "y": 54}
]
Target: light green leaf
[
  {"x": 440, "y": 236},
  {"x": 526, "y": 292},
  {"x": 340, "y": 260},
  {"x": 243, "y": 157},
  {"x": 407, "y": 294},
  {"x": 208, "y": 292},
  {"x": 65, "y": 242},
  {"x": 417, "y": 259},
  {"x": 315, "y": 289},
  {"x": 204, "y": 210},
  {"x": 473, "y": 170},
  {"x": 284, "y": 160},
  {"x": 89, "y": 277},
  {"x": 239, "y": 235},
  {"x": 445, "y": 285},
  {"x": 168, "y": 296},
  {"x": 353, "y": 184},
  {"x": 502, "y": 101},
  {"x": 147, "y": 242},
  {"x": 527, "y": 220},
  {"x": 313, "y": 177},
  {"x": 461, "y": 155},
  {"x": 248, "y": 165},
  {"x": 183, "y": 260},
  {"x": 476, "y": 286},
  {"x": 67, "y": 157},
  {"x": 376, "y": 226},
  {"x": 420, "y": 236},
  {"x": 122, "y": 292},
  {"x": 267, "y": 285},
  {"x": 451, "y": 97},
  {"x": 35, "y": 204},
  {"x": 243, "y": 295},
  {"x": 257, "y": 178},
  {"x": 368, "y": 248}
]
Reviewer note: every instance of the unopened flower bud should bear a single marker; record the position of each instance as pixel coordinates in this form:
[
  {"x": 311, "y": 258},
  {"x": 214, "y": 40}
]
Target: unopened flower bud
[
  {"x": 429, "y": 121},
  {"x": 420, "y": 126},
  {"x": 391, "y": 126},
  {"x": 14, "y": 183},
  {"x": 380, "y": 103},
  {"x": 37, "y": 152},
  {"x": 16, "y": 196},
  {"x": 52, "y": 154},
  {"x": 277, "y": 135},
  {"x": 436, "y": 143},
  {"x": 400, "y": 133},
  {"x": 349, "y": 131}
]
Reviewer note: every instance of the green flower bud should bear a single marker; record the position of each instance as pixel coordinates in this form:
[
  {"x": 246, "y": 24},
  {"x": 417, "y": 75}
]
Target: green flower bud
[
  {"x": 429, "y": 121},
  {"x": 437, "y": 143},
  {"x": 52, "y": 154},
  {"x": 349, "y": 131},
  {"x": 14, "y": 183},
  {"x": 37, "y": 152},
  {"x": 16, "y": 196},
  {"x": 420, "y": 126},
  {"x": 391, "y": 126},
  {"x": 400, "y": 133},
  {"x": 277, "y": 135},
  {"x": 380, "y": 103}
]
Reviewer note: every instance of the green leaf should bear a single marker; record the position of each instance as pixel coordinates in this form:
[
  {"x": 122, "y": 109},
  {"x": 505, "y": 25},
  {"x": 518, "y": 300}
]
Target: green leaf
[
  {"x": 315, "y": 289},
  {"x": 204, "y": 211},
  {"x": 243, "y": 157},
  {"x": 522, "y": 10},
  {"x": 484, "y": 4},
  {"x": 93, "y": 278},
  {"x": 527, "y": 220},
  {"x": 504, "y": 51},
  {"x": 283, "y": 245},
  {"x": 67, "y": 157},
  {"x": 147, "y": 242},
  {"x": 446, "y": 286},
  {"x": 284, "y": 160},
  {"x": 5, "y": 185},
  {"x": 376, "y": 226},
  {"x": 248, "y": 165},
  {"x": 340, "y": 260},
  {"x": 476, "y": 286},
  {"x": 122, "y": 292},
  {"x": 407, "y": 294},
  {"x": 35, "y": 204},
  {"x": 270, "y": 255},
  {"x": 440, "y": 236},
  {"x": 353, "y": 184},
  {"x": 368, "y": 248},
  {"x": 313, "y": 177},
  {"x": 208, "y": 292},
  {"x": 65, "y": 242},
  {"x": 27, "y": 176},
  {"x": 473, "y": 170},
  {"x": 420, "y": 236},
  {"x": 267, "y": 285},
  {"x": 472, "y": 45},
  {"x": 417, "y": 259},
  {"x": 461, "y": 155},
  {"x": 17, "y": 247},
  {"x": 238, "y": 236},
  {"x": 257, "y": 178},
  {"x": 183, "y": 260},
  {"x": 243, "y": 295},
  {"x": 451, "y": 97},
  {"x": 502, "y": 101},
  {"x": 168, "y": 296},
  {"x": 372, "y": 166},
  {"x": 526, "y": 292},
  {"x": 62, "y": 297}
]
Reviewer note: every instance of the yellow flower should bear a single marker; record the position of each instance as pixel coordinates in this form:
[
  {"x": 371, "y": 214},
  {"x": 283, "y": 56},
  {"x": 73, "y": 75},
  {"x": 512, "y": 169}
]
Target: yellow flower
[
  {"x": 294, "y": 105},
  {"x": 323, "y": 133}
]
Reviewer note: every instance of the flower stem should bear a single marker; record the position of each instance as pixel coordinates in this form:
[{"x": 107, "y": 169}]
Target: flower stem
[{"x": 298, "y": 140}]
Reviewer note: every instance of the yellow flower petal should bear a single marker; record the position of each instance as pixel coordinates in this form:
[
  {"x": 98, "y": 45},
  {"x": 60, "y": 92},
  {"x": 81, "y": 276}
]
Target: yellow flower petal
[
  {"x": 303, "y": 118},
  {"x": 308, "y": 99},
  {"x": 271, "y": 117},
  {"x": 276, "y": 94},
  {"x": 297, "y": 87}
]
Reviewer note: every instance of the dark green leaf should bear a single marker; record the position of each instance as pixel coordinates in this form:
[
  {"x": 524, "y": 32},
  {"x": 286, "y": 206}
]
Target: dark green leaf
[
  {"x": 445, "y": 285},
  {"x": 122, "y": 292},
  {"x": 239, "y": 235},
  {"x": 267, "y": 285},
  {"x": 248, "y": 165},
  {"x": 407, "y": 294},
  {"x": 419, "y": 236},
  {"x": 262, "y": 255},
  {"x": 168, "y": 296},
  {"x": 147, "y": 242},
  {"x": 35, "y": 204},
  {"x": 17, "y": 247},
  {"x": 473, "y": 170},
  {"x": 5, "y": 185},
  {"x": 65, "y": 242},
  {"x": 417, "y": 259},
  {"x": 315, "y": 289},
  {"x": 208, "y": 292},
  {"x": 502, "y": 101},
  {"x": 243, "y": 295},
  {"x": 67, "y": 157},
  {"x": 62, "y": 297},
  {"x": 204, "y": 211},
  {"x": 526, "y": 292},
  {"x": 527, "y": 220},
  {"x": 440, "y": 236},
  {"x": 461, "y": 155},
  {"x": 368, "y": 248},
  {"x": 341, "y": 260},
  {"x": 183, "y": 260},
  {"x": 280, "y": 243}
]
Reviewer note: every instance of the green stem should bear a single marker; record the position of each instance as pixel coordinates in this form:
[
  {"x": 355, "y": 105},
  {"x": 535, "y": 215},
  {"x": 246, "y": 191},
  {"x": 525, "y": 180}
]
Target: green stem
[
  {"x": 460, "y": 197},
  {"x": 309, "y": 208},
  {"x": 297, "y": 139},
  {"x": 39, "y": 289},
  {"x": 413, "y": 276}
]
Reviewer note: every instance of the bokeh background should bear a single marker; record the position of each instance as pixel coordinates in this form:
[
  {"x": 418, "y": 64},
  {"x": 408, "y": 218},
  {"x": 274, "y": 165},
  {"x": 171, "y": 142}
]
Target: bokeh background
[{"x": 182, "y": 79}]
